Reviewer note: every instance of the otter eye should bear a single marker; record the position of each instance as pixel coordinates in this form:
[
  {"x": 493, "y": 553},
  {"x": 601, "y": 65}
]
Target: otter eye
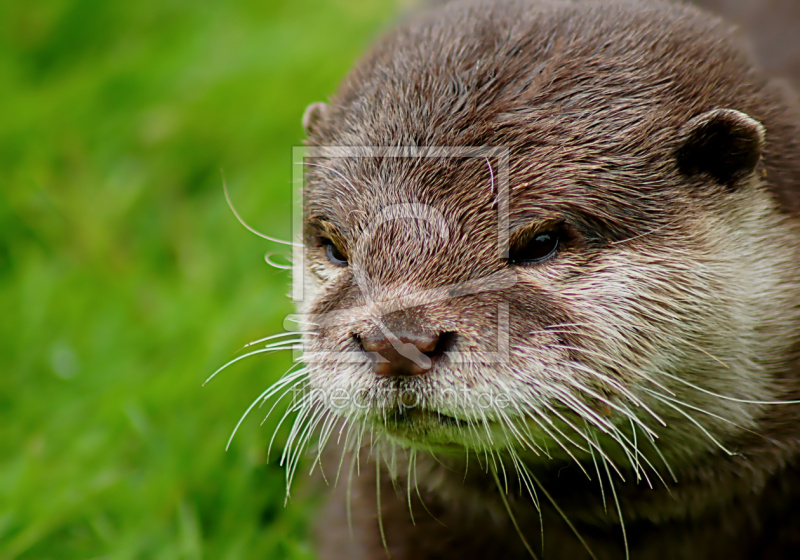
[
  {"x": 334, "y": 254},
  {"x": 534, "y": 248}
]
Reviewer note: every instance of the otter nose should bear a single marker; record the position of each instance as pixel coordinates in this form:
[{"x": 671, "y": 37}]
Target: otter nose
[{"x": 404, "y": 354}]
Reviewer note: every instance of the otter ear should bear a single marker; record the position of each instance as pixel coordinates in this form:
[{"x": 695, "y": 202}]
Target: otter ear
[
  {"x": 723, "y": 143},
  {"x": 313, "y": 116}
]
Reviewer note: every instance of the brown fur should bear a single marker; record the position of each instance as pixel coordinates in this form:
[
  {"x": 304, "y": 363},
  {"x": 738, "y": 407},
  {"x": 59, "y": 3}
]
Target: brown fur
[{"x": 670, "y": 275}]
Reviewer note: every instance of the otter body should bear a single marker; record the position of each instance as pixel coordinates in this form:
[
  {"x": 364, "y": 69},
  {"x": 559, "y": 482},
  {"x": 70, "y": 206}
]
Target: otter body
[{"x": 574, "y": 330}]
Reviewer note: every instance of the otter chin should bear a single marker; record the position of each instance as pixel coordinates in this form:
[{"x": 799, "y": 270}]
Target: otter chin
[{"x": 552, "y": 298}]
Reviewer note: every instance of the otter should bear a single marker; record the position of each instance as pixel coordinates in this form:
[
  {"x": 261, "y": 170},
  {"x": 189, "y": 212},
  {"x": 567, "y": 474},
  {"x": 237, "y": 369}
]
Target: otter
[{"x": 551, "y": 290}]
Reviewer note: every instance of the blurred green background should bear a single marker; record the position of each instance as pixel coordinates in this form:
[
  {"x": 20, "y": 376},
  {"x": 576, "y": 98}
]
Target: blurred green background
[{"x": 125, "y": 280}]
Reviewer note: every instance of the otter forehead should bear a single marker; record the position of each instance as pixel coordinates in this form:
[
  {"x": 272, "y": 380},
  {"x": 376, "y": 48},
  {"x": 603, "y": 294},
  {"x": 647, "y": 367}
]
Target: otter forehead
[
  {"x": 587, "y": 100},
  {"x": 539, "y": 74},
  {"x": 599, "y": 188}
]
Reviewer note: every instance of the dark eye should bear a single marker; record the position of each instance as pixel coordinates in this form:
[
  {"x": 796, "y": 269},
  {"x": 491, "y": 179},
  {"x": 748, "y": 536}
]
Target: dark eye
[
  {"x": 534, "y": 248},
  {"x": 334, "y": 254}
]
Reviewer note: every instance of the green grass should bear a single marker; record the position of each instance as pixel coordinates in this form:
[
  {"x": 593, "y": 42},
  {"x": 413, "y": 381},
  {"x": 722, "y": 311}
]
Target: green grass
[{"x": 125, "y": 280}]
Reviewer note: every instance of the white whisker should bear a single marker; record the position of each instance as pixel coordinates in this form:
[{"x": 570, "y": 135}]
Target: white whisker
[{"x": 245, "y": 224}]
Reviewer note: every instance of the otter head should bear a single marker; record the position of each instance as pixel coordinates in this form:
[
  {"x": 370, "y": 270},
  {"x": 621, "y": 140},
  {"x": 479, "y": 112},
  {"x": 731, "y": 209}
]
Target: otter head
[{"x": 553, "y": 241}]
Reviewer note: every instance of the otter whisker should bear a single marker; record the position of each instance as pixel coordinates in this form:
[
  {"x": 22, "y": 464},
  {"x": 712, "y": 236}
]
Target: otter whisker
[
  {"x": 525, "y": 480},
  {"x": 603, "y": 424},
  {"x": 713, "y": 415},
  {"x": 641, "y": 235},
  {"x": 615, "y": 385},
  {"x": 348, "y": 500},
  {"x": 296, "y": 445},
  {"x": 630, "y": 448},
  {"x": 372, "y": 440},
  {"x": 636, "y": 452},
  {"x": 283, "y": 345},
  {"x": 485, "y": 423},
  {"x": 280, "y": 335},
  {"x": 324, "y": 436},
  {"x": 502, "y": 468},
  {"x": 245, "y": 224},
  {"x": 651, "y": 437},
  {"x": 378, "y": 499},
  {"x": 345, "y": 446},
  {"x": 597, "y": 471},
  {"x": 580, "y": 408},
  {"x": 359, "y": 444},
  {"x": 473, "y": 428},
  {"x": 302, "y": 442},
  {"x": 327, "y": 429},
  {"x": 289, "y": 384},
  {"x": 492, "y": 463},
  {"x": 304, "y": 320},
  {"x": 588, "y": 440},
  {"x": 564, "y": 516},
  {"x": 393, "y": 468},
  {"x": 530, "y": 441},
  {"x": 297, "y": 407},
  {"x": 625, "y": 412},
  {"x": 268, "y": 258},
  {"x": 511, "y": 515},
  {"x": 319, "y": 446},
  {"x": 563, "y": 395},
  {"x": 355, "y": 469},
  {"x": 304, "y": 408},
  {"x": 419, "y": 494},
  {"x": 727, "y": 397},
  {"x": 603, "y": 339},
  {"x": 301, "y": 409},
  {"x": 409, "y": 472},
  {"x": 707, "y": 353},
  {"x": 556, "y": 439},
  {"x": 522, "y": 473},
  {"x": 524, "y": 441},
  {"x": 265, "y": 394},
  {"x": 535, "y": 498},
  {"x": 619, "y": 510},
  {"x": 691, "y": 419},
  {"x": 663, "y": 460},
  {"x": 288, "y": 378}
]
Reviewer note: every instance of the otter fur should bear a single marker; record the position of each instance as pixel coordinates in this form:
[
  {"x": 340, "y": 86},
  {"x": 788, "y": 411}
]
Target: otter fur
[{"x": 588, "y": 349}]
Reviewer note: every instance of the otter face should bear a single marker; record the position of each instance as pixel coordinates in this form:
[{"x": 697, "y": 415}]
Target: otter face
[
  {"x": 565, "y": 334},
  {"x": 579, "y": 273}
]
